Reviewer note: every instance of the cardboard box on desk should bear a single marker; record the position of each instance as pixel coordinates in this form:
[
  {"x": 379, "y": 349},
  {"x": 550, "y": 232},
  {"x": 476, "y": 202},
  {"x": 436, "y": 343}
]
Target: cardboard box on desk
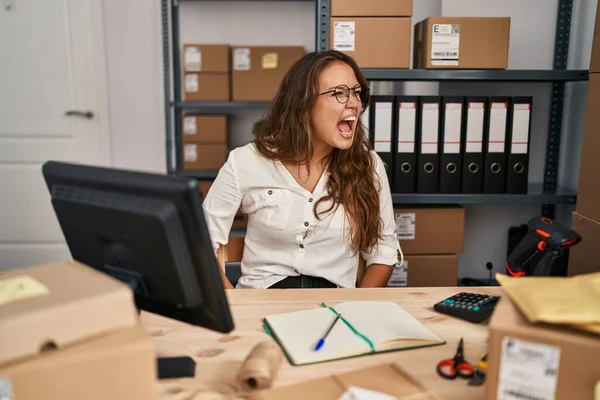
[
  {"x": 69, "y": 332},
  {"x": 206, "y": 72},
  {"x": 461, "y": 43},
  {"x": 539, "y": 360},
  {"x": 257, "y": 71}
]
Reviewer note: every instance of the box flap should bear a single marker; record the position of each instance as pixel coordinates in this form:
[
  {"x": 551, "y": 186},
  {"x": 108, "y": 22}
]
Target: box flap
[{"x": 54, "y": 305}]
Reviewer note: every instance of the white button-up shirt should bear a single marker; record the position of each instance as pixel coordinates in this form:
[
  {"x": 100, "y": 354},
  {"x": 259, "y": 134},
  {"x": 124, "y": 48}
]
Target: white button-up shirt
[{"x": 283, "y": 236}]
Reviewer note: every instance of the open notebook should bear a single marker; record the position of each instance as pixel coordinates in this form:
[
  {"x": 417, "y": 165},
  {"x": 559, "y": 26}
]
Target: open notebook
[{"x": 366, "y": 327}]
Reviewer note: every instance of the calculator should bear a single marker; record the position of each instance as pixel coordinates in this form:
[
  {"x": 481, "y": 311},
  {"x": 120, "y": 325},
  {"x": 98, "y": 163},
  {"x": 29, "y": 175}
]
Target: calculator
[{"x": 472, "y": 307}]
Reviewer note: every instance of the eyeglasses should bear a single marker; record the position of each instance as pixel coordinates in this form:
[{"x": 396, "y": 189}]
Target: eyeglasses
[{"x": 342, "y": 93}]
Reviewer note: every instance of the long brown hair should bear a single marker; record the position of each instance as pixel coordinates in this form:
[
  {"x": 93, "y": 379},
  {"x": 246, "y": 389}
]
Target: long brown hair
[{"x": 285, "y": 134}]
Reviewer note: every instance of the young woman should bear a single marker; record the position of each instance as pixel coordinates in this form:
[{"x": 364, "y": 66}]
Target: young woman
[{"x": 317, "y": 197}]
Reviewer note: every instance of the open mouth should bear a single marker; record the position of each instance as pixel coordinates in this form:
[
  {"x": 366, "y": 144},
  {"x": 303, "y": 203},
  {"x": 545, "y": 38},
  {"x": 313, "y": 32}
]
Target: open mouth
[{"x": 346, "y": 126}]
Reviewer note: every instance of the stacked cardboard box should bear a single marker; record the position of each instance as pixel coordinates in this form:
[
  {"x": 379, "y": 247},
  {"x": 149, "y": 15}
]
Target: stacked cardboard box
[
  {"x": 431, "y": 239},
  {"x": 206, "y": 72},
  {"x": 461, "y": 43},
  {"x": 376, "y": 34},
  {"x": 583, "y": 258},
  {"x": 204, "y": 142}
]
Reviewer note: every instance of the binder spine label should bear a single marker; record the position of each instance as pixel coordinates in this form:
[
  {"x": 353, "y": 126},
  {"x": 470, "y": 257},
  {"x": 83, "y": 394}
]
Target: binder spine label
[
  {"x": 406, "y": 127},
  {"x": 520, "y": 135},
  {"x": 343, "y": 36},
  {"x": 429, "y": 134},
  {"x": 497, "y": 136},
  {"x": 452, "y": 128},
  {"x": 445, "y": 44},
  {"x": 475, "y": 116},
  {"x": 383, "y": 127}
]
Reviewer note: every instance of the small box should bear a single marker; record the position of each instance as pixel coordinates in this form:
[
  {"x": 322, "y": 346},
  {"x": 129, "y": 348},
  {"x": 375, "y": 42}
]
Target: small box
[
  {"x": 373, "y": 42},
  {"x": 204, "y": 129},
  {"x": 257, "y": 71},
  {"x": 462, "y": 43},
  {"x": 206, "y": 72},
  {"x": 584, "y": 257},
  {"x": 426, "y": 271},
  {"x": 431, "y": 230},
  {"x": 588, "y": 192},
  {"x": 539, "y": 361},
  {"x": 204, "y": 156},
  {"x": 206, "y": 86},
  {"x": 378, "y": 8},
  {"x": 206, "y": 57}
]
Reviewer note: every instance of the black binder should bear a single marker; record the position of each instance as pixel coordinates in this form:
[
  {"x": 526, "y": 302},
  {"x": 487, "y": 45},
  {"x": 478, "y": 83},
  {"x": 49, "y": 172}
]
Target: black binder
[
  {"x": 428, "y": 144},
  {"x": 452, "y": 114},
  {"x": 381, "y": 134},
  {"x": 518, "y": 152},
  {"x": 494, "y": 178},
  {"x": 405, "y": 163},
  {"x": 475, "y": 123}
]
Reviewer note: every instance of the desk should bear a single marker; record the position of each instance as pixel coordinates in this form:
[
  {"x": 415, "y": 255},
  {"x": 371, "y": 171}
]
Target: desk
[{"x": 218, "y": 356}]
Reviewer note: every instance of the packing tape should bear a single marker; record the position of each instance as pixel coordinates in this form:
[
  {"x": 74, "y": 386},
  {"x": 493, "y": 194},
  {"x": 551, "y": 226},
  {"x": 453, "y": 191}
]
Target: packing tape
[{"x": 260, "y": 366}]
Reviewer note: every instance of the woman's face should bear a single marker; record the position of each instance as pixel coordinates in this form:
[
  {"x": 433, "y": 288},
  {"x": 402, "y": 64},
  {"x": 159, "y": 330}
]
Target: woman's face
[{"x": 336, "y": 114}]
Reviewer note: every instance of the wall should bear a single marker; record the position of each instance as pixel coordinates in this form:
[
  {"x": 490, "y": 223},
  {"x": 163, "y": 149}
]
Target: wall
[
  {"x": 133, "y": 41},
  {"x": 135, "y": 79}
]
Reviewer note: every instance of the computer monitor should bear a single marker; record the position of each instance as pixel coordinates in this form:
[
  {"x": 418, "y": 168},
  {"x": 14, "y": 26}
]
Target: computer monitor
[{"x": 147, "y": 230}]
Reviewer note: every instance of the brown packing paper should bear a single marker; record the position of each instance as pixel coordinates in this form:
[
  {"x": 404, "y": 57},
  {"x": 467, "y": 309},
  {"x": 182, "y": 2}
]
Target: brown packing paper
[
  {"x": 260, "y": 366},
  {"x": 573, "y": 301}
]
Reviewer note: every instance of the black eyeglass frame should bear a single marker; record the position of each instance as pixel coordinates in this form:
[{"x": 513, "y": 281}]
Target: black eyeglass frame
[{"x": 348, "y": 90}]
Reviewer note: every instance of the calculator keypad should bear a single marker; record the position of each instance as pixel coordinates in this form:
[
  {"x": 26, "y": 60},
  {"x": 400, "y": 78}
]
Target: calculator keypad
[{"x": 473, "y": 307}]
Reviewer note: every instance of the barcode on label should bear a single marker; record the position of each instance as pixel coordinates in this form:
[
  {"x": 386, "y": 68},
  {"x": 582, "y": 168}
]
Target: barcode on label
[
  {"x": 513, "y": 394},
  {"x": 344, "y": 46},
  {"x": 445, "y": 54},
  {"x": 455, "y": 28},
  {"x": 402, "y": 234}
]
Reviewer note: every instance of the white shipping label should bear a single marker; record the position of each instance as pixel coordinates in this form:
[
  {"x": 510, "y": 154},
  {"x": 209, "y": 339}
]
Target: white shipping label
[
  {"x": 343, "y": 36},
  {"x": 452, "y": 124},
  {"x": 520, "y": 129},
  {"x": 405, "y": 226},
  {"x": 6, "y": 391},
  {"x": 399, "y": 275},
  {"x": 193, "y": 59},
  {"x": 475, "y": 114},
  {"x": 241, "y": 59},
  {"x": 383, "y": 127},
  {"x": 528, "y": 370},
  {"x": 497, "y": 137},
  {"x": 189, "y": 125},
  {"x": 429, "y": 133},
  {"x": 445, "y": 44},
  {"x": 191, "y": 83},
  {"x": 190, "y": 152},
  {"x": 407, "y": 121},
  {"x": 365, "y": 121}
]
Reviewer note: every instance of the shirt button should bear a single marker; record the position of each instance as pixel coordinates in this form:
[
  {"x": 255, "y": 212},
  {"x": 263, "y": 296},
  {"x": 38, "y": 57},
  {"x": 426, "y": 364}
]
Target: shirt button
[
  {"x": 306, "y": 224},
  {"x": 301, "y": 246},
  {"x": 310, "y": 200},
  {"x": 270, "y": 192}
]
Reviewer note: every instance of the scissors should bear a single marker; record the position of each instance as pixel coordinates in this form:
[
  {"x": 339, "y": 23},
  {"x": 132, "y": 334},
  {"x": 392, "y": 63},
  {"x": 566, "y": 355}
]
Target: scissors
[{"x": 450, "y": 368}]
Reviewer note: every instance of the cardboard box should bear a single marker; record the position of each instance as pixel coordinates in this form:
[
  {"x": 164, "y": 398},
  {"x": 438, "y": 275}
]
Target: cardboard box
[
  {"x": 431, "y": 230},
  {"x": 461, "y": 43},
  {"x": 70, "y": 332},
  {"x": 64, "y": 303},
  {"x": 372, "y": 42},
  {"x": 595, "y": 55},
  {"x": 257, "y": 71},
  {"x": 206, "y": 70},
  {"x": 379, "y": 8},
  {"x": 206, "y": 57},
  {"x": 206, "y": 86},
  {"x": 204, "y": 156},
  {"x": 204, "y": 129},
  {"x": 539, "y": 361},
  {"x": 584, "y": 257},
  {"x": 426, "y": 271},
  {"x": 588, "y": 193},
  {"x": 389, "y": 379}
]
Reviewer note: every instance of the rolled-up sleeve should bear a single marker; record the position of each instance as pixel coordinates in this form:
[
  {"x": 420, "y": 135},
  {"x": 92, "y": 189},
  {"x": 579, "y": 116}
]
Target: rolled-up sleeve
[
  {"x": 222, "y": 203},
  {"x": 386, "y": 251}
]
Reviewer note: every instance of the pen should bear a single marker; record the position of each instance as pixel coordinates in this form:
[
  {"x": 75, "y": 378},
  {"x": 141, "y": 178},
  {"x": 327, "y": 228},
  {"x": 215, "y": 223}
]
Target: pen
[{"x": 321, "y": 341}]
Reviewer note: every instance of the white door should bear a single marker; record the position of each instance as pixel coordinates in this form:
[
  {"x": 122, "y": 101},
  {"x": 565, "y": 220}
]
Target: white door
[{"x": 51, "y": 62}]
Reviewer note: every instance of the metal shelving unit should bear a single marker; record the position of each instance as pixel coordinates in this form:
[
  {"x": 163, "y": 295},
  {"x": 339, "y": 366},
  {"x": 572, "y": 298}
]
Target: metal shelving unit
[{"x": 547, "y": 193}]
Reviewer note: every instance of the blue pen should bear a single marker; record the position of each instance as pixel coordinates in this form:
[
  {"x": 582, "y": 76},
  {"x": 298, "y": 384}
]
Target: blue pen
[{"x": 321, "y": 341}]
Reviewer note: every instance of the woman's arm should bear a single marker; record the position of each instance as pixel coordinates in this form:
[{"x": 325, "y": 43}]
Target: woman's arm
[
  {"x": 220, "y": 206},
  {"x": 381, "y": 261}
]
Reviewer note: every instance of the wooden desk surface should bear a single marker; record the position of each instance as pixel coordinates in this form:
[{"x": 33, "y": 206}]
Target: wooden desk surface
[{"x": 218, "y": 356}]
